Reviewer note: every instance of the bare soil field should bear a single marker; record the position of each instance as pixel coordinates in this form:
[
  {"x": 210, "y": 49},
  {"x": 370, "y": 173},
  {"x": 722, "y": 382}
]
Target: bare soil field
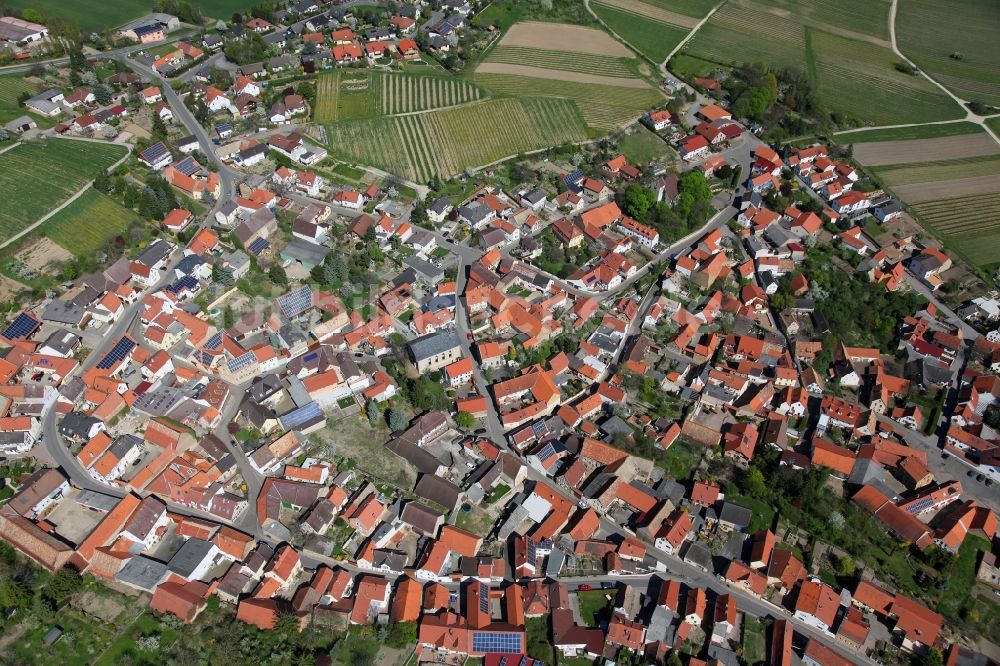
[
  {"x": 562, "y": 37},
  {"x": 9, "y": 288},
  {"x": 924, "y": 150},
  {"x": 43, "y": 253},
  {"x": 559, "y": 75},
  {"x": 948, "y": 189},
  {"x": 653, "y": 12}
]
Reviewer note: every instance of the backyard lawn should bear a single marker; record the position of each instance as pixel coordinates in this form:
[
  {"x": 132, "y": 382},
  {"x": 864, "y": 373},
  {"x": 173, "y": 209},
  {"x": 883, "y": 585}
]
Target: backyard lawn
[
  {"x": 593, "y": 606},
  {"x": 644, "y": 146},
  {"x": 682, "y": 458}
]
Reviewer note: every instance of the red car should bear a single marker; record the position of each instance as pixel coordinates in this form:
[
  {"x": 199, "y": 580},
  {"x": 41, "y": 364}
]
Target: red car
[{"x": 584, "y": 587}]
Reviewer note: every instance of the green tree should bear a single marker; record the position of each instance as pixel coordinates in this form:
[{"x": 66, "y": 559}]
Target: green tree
[
  {"x": 63, "y": 585},
  {"x": 335, "y": 269},
  {"x": 465, "y": 420},
  {"x": 159, "y": 129},
  {"x": 276, "y": 274},
  {"x": 755, "y": 484},
  {"x": 102, "y": 182},
  {"x": 845, "y": 565},
  {"x": 932, "y": 657},
  {"x": 397, "y": 420},
  {"x": 637, "y": 201},
  {"x": 374, "y": 413}
]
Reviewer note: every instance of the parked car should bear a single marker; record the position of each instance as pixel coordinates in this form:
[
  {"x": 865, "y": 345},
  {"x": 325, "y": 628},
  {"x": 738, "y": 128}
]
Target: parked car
[{"x": 584, "y": 587}]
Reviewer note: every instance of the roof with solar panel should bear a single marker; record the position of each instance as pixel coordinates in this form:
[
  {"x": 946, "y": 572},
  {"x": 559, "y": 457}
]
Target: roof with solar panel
[
  {"x": 121, "y": 352},
  {"x": 296, "y": 302},
  {"x": 258, "y": 246},
  {"x": 23, "y": 327}
]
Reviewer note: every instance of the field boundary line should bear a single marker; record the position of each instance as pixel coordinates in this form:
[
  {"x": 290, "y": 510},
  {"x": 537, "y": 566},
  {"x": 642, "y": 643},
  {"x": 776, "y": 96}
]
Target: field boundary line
[
  {"x": 13, "y": 145},
  {"x": 58, "y": 208},
  {"x": 691, "y": 34}
]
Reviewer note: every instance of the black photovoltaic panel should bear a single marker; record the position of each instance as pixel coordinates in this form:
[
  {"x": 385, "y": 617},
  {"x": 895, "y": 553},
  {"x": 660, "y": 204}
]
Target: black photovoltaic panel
[
  {"x": 22, "y": 326},
  {"x": 118, "y": 353}
]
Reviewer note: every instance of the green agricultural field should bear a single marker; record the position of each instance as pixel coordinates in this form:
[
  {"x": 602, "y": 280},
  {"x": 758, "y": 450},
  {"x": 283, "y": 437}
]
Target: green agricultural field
[
  {"x": 967, "y": 225},
  {"x": 66, "y": 166},
  {"x": 343, "y": 96},
  {"x": 687, "y": 66},
  {"x": 908, "y": 133},
  {"x": 853, "y": 70},
  {"x": 932, "y": 172},
  {"x": 859, "y": 79},
  {"x": 585, "y": 63},
  {"x": 652, "y": 39},
  {"x": 11, "y": 87},
  {"x": 603, "y": 107},
  {"x": 694, "y": 8},
  {"x": 865, "y": 17},
  {"x": 994, "y": 124},
  {"x": 407, "y": 93},
  {"x": 446, "y": 141},
  {"x": 347, "y": 95},
  {"x": 740, "y": 33},
  {"x": 86, "y": 225},
  {"x": 929, "y": 32},
  {"x": 99, "y": 16}
]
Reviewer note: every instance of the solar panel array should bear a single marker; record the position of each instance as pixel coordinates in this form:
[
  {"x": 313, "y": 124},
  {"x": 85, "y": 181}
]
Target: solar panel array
[
  {"x": 214, "y": 342},
  {"x": 310, "y": 357},
  {"x": 187, "y": 282},
  {"x": 484, "y": 599},
  {"x": 259, "y": 246},
  {"x": 532, "y": 551},
  {"x": 118, "y": 353},
  {"x": 22, "y": 327},
  {"x": 297, "y": 417},
  {"x": 488, "y": 641},
  {"x": 922, "y": 505},
  {"x": 188, "y": 166},
  {"x": 154, "y": 152},
  {"x": 241, "y": 361},
  {"x": 547, "y": 452},
  {"x": 296, "y": 302}
]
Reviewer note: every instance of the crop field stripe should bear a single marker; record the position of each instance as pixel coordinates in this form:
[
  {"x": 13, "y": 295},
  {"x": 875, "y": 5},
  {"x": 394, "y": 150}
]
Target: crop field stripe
[
  {"x": 940, "y": 171},
  {"x": 959, "y": 128},
  {"x": 561, "y": 60},
  {"x": 406, "y": 144},
  {"x": 592, "y": 100},
  {"x": 929, "y": 32},
  {"x": 654, "y": 40},
  {"x": 66, "y": 164},
  {"x": 87, "y": 224},
  {"x": 446, "y": 141},
  {"x": 421, "y": 148},
  {"x": 640, "y": 13}
]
